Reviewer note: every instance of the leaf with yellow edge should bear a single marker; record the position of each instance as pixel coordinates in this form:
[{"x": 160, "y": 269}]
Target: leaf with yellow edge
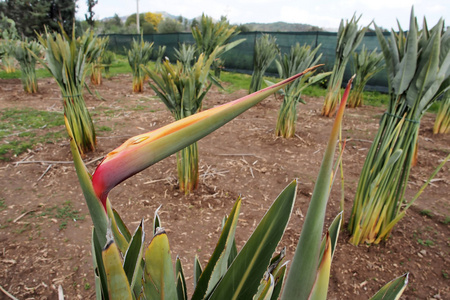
[
  {"x": 305, "y": 263},
  {"x": 95, "y": 207},
  {"x": 243, "y": 277},
  {"x": 197, "y": 270},
  {"x": 320, "y": 287},
  {"x": 181, "y": 281},
  {"x": 218, "y": 263},
  {"x": 393, "y": 289},
  {"x": 133, "y": 257},
  {"x": 118, "y": 287},
  {"x": 267, "y": 289},
  {"x": 101, "y": 285},
  {"x": 159, "y": 278},
  {"x": 119, "y": 238}
]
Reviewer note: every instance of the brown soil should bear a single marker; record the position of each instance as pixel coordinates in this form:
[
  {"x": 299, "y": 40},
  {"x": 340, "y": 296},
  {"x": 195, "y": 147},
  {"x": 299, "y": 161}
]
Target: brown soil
[{"x": 244, "y": 157}]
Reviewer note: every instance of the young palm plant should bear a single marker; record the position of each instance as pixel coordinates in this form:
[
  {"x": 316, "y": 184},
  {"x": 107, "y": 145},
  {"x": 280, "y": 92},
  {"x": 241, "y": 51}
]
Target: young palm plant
[
  {"x": 8, "y": 39},
  {"x": 209, "y": 35},
  {"x": 182, "y": 89},
  {"x": 159, "y": 53},
  {"x": 68, "y": 60},
  {"x": 97, "y": 62},
  {"x": 289, "y": 64},
  {"x": 27, "y": 61},
  {"x": 418, "y": 66},
  {"x": 106, "y": 59},
  {"x": 185, "y": 54},
  {"x": 348, "y": 39},
  {"x": 266, "y": 49},
  {"x": 366, "y": 65},
  {"x": 442, "y": 122},
  {"x": 125, "y": 270},
  {"x": 138, "y": 56},
  {"x": 7, "y": 48}
]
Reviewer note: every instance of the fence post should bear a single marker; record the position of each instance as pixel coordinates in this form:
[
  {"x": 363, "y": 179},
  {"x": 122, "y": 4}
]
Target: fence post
[{"x": 317, "y": 38}]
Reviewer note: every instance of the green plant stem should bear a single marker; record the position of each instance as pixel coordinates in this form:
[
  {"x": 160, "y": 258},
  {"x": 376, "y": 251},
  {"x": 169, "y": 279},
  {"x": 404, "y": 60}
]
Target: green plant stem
[
  {"x": 79, "y": 119},
  {"x": 383, "y": 182},
  {"x": 442, "y": 122},
  {"x": 187, "y": 165},
  {"x": 256, "y": 83},
  {"x": 28, "y": 78},
  {"x": 287, "y": 117}
]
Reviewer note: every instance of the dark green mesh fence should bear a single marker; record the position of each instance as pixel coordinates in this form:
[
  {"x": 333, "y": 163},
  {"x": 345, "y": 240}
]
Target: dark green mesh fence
[{"x": 240, "y": 58}]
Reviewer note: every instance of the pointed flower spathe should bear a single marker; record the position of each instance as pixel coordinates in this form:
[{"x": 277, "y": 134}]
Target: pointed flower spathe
[{"x": 141, "y": 151}]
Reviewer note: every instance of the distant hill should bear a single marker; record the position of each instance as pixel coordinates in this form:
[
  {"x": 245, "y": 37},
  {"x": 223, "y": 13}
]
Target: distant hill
[
  {"x": 274, "y": 27},
  {"x": 281, "y": 26}
]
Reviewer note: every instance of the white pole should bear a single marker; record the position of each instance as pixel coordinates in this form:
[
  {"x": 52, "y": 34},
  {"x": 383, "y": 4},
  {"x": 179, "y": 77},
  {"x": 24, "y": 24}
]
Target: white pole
[{"x": 137, "y": 17}]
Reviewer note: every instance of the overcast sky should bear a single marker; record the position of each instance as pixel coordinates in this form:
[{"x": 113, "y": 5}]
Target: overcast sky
[{"x": 322, "y": 13}]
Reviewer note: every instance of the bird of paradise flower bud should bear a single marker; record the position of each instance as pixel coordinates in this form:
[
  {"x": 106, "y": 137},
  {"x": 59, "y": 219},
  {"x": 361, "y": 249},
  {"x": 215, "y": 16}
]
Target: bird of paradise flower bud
[{"x": 142, "y": 151}]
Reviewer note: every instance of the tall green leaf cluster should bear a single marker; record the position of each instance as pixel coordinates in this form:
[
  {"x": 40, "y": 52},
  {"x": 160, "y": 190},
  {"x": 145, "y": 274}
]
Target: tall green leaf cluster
[
  {"x": 97, "y": 64},
  {"x": 23, "y": 53},
  {"x": 298, "y": 59},
  {"x": 8, "y": 37},
  {"x": 139, "y": 55},
  {"x": 418, "y": 67},
  {"x": 185, "y": 54},
  {"x": 159, "y": 53},
  {"x": 209, "y": 35},
  {"x": 106, "y": 59},
  {"x": 7, "y": 49},
  {"x": 349, "y": 36},
  {"x": 182, "y": 88},
  {"x": 266, "y": 49},
  {"x": 365, "y": 65},
  {"x": 68, "y": 59}
]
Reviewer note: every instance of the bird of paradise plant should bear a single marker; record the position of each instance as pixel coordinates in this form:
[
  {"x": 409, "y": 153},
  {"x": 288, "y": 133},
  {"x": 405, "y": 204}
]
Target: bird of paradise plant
[
  {"x": 68, "y": 60},
  {"x": 124, "y": 270},
  {"x": 266, "y": 49},
  {"x": 97, "y": 62},
  {"x": 182, "y": 88},
  {"x": 139, "y": 55},
  {"x": 349, "y": 37},
  {"x": 418, "y": 67},
  {"x": 210, "y": 35},
  {"x": 299, "y": 58},
  {"x": 27, "y": 62},
  {"x": 365, "y": 65}
]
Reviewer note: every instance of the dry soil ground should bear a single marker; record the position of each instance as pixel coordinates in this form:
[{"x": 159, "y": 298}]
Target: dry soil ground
[{"x": 45, "y": 227}]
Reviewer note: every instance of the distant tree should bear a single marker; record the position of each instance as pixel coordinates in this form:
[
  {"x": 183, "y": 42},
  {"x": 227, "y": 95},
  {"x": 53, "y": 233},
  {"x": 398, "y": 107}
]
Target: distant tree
[
  {"x": 186, "y": 25},
  {"x": 145, "y": 27},
  {"x": 35, "y": 15},
  {"x": 169, "y": 25},
  {"x": 194, "y": 23},
  {"x": 148, "y": 28},
  {"x": 116, "y": 20},
  {"x": 131, "y": 20},
  {"x": 315, "y": 28},
  {"x": 154, "y": 19},
  {"x": 8, "y": 29},
  {"x": 243, "y": 28},
  {"x": 61, "y": 11},
  {"x": 90, "y": 15}
]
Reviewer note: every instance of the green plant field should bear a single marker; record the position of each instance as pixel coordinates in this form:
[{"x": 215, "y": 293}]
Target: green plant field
[{"x": 236, "y": 82}]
